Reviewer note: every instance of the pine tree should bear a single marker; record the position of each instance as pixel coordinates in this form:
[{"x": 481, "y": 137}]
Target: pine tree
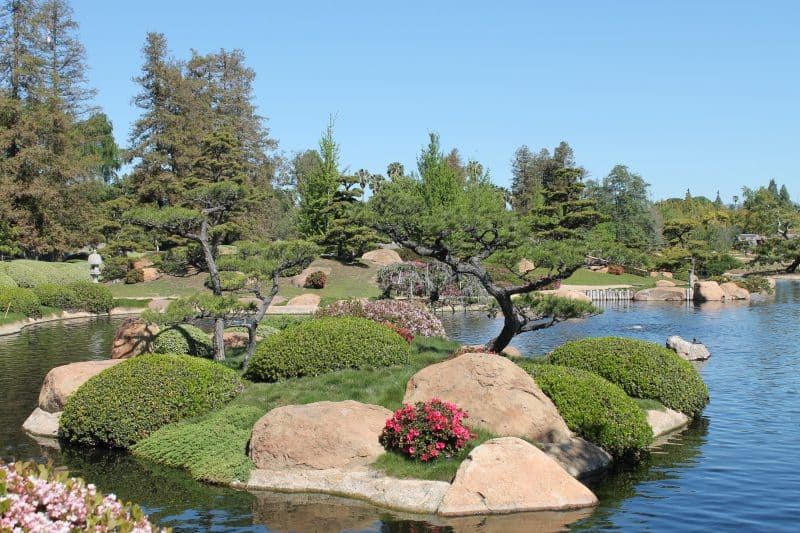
[{"x": 317, "y": 189}]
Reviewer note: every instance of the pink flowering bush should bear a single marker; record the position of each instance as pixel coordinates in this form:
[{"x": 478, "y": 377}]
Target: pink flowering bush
[
  {"x": 414, "y": 318},
  {"x": 34, "y": 498},
  {"x": 427, "y": 430}
]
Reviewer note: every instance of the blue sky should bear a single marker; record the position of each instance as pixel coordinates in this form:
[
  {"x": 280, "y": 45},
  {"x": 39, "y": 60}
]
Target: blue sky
[{"x": 697, "y": 95}]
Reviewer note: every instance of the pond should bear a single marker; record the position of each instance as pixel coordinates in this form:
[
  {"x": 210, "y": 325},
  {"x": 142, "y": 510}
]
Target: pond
[{"x": 735, "y": 468}]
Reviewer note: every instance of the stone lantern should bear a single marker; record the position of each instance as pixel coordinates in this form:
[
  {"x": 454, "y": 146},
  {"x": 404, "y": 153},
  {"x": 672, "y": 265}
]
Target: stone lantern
[{"x": 95, "y": 262}]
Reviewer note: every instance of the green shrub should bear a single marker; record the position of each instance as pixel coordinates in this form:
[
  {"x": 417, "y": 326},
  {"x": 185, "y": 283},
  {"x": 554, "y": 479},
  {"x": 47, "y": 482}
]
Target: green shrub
[
  {"x": 642, "y": 369},
  {"x": 92, "y": 297},
  {"x": 6, "y": 282},
  {"x": 114, "y": 268},
  {"x": 127, "y": 402},
  {"x": 20, "y": 300},
  {"x": 184, "y": 339},
  {"x": 230, "y": 281},
  {"x": 753, "y": 284},
  {"x": 283, "y": 321},
  {"x": 133, "y": 276},
  {"x": 28, "y": 273},
  {"x": 316, "y": 280},
  {"x": 326, "y": 345},
  {"x": 59, "y": 296},
  {"x": 596, "y": 409}
]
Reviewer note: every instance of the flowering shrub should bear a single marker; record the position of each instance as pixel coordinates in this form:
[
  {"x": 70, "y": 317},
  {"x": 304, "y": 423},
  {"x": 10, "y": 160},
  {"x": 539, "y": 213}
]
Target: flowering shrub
[
  {"x": 414, "y": 318},
  {"x": 403, "y": 332},
  {"x": 316, "y": 280},
  {"x": 33, "y": 498},
  {"x": 427, "y": 430},
  {"x": 470, "y": 349}
]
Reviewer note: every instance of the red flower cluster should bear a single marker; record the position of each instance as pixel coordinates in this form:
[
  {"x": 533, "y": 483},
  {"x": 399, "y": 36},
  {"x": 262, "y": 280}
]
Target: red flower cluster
[
  {"x": 400, "y": 330},
  {"x": 427, "y": 430},
  {"x": 470, "y": 349}
]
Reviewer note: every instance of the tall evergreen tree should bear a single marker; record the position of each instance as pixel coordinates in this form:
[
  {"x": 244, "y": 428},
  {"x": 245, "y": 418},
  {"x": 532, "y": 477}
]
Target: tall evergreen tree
[{"x": 317, "y": 188}]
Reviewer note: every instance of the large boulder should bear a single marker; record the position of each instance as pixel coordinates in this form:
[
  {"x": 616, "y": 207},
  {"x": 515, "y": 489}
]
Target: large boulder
[
  {"x": 139, "y": 264},
  {"x": 579, "y": 457},
  {"x": 691, "y": 351},
  {"x": 661, "y": 294},
  {"x": 708, "y": 291},
  {"x": 42, "y": 424},
  {"x": 666, "y": 421},
  {"x": 133, "y": 337},
  {"x": 300, "y": 279},
  {"x": 150, "y": 274},
  {"x": 321, "y": 435},
  {"x": 572, "y": 295},
  {"x": 665, "y": 283},
  {"x": 734, "y": 292},
  {"x": 498, "y": 395},
  {"x": 62, "y": 381},
  {"x": 508, "y": 475},
  {"x": 305, "y": 299},
  {"x": 382, "y": 257}
]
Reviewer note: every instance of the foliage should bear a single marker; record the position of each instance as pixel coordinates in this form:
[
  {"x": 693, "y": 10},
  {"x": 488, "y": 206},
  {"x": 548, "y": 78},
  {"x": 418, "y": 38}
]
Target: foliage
[
  {"x": 326, "y": 345},
  {"x": 35, "y": 497},
  {"x": 230, "y": 281},
  {"x": 27, "y": 273},
  {"x": 315, "y": 280},
  {"x": 134, "y": 275},
  {"x": 52, "y": 295},
  {"x": 20, "y": 300},
  {"x": 183, "y": 339},
  {"x": 427, "y": 430},
  {"x": 410, "y": 316},
  {"x": 92, "y": 297},
  {"x": 346, "y": 235},
  {"x": 755, "y": 285},
  {"x": 595, "y": 409},
  {"x": 317, "y": 186},
  {"x": 125, "y": 403},
  {"x": 642, "y": 369},
  {"x": 114, "y": 268},
  {"x": 281, "y": 322},
  {"x": 6, "y": 281}
]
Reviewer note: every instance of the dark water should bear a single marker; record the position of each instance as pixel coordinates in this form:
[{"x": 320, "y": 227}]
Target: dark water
[{"x": 734, "y": 469}]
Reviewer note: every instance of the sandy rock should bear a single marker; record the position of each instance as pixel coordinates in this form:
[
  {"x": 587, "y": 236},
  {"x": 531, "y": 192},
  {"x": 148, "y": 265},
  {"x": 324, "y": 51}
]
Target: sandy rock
[
  {"x": 663, "y": 422},
  {"x": 510, "y": 475},
  {"x": 661, "y": 294},
  {"x": 666, "y": 274},
  {"x": 734, "y": 292},
  {"x": 62, "y": 381},
  {"x": 235, "y": 339},
  {"x": 133, "y": 337},
  {"x": 525, "y": 265},
  {"x": 510, "y": 351},
  {"x": 42, "y": 423},
  {"x": 382, "y": 257},
  {"x": 579, "y": 457},
  {"x": 139, "y": 264},
  {"x": 159, "y": 304},
  {"x": 708, "y": 291},
  {"x": 572, "y": 295},
  {"x": 497, "y": 394},
  {"x": 691, "y": 351},
  {"x": 150, "y": 274},
  {"x": 319, "y": 435},
  {"x": 665, "y": 283},
  {"x": 300, "y": 279},
  {"x": 305, "y": 299}
]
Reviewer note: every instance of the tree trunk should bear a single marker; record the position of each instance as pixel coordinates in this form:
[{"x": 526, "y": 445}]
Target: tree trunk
[
  {"x": 793, "y": 266},
  {"x": 510, "y": 324},
  {"x": 219, "y": 339},
  {"x": 259, "y": 316},
  {"x": 211, "y": 263}
]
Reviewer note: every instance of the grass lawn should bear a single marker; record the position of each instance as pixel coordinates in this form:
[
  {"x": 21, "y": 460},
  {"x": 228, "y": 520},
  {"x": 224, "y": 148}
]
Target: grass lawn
[
  {"x": 8, "y": 318},
  {"x": 344, "y": 281},
  {"x": 166, "y": 286},
  {"x": 213, "y": 447},
  {"x": 588, "y": 277}
]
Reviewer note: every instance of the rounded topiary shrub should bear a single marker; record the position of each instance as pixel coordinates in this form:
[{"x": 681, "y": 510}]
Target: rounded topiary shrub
[
  {"x": 53, "y": 295},
  {"x": 642, "y": 369},
  {"x": 135, "y": 275},
  {"x": 326, "y": 345},
  {"x": 6, "y": 281},
  {"x": 184, "y": 339},
  {"x": 92, "y": 297},
  {"x": 316, "y": 280},
  {"x": 125, "y": 403},
  {"x": 596, "y": 409},
  {"x": 19, "y": 300}
]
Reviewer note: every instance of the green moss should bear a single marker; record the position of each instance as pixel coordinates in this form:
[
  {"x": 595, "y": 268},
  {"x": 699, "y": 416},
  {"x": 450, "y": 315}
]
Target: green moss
[
  {"x": 127, "y": 402},
  {"x": 596, "y": 410},
  {"x": 326, "y": 345},
  {"x": 184, "y": 339},
  {"x": 642, "y": 369}
]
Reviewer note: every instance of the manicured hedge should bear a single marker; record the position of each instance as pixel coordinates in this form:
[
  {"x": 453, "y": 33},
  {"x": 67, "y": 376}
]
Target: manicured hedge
[
  {"x": 6, "y": 281},
  {"x": 596, "y": 409},
  {"x": 52, "y": 295},
  {"x": 184, "y": 339},
  {"x": 20, "y": 300},
  {"x": 92, "y": 297},
  {"x": 642, "y": 369},
  {"x": 125, "y": 403},
  {"x": 28, "y": 273},
  {"x": 326, "y": 345}
]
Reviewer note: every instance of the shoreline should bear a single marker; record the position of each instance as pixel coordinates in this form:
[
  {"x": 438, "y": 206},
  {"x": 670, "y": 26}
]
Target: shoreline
[{"x": 15, "y": 327}]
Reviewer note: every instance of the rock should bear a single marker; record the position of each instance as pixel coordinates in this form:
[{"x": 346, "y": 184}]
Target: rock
[
  {"x": 525, "y": 265},
  {"x": 300, "y": 279},
  {"x": 666, "y": 274},
  {"x": 734, "y": 292},
  {"x": 661, "y": 294},
  {"x": 159, "y": 304},
  {"x": 235, "y": 339},
  {"x": 305, "y": 299},
  {"x": 254, "y": 301},
  {"x": 150, "y": 274},
  {"x": 382, "y": 257},
  {"x": 572, "y": 295},
  {"x": 708, "y": 291},
  {"x": 62, "y": 381},
  {"x": 508, "y": 475},
  {"x": 579, "y": 457},
  {"x": 534, "y": 522},
  {"x": 319, "y": 435},
  {"x": 510, "y": 351},
  {"x": 691, "y": 351},
  {"x": 140, "y": 264},
  {"x": 42, "y": 423},
  {"x": 665, "y": 283},
  {"x": 133, "y": 337},
  {"x": 497, "y": 394},
  {"x": 663, "y": 422}
]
